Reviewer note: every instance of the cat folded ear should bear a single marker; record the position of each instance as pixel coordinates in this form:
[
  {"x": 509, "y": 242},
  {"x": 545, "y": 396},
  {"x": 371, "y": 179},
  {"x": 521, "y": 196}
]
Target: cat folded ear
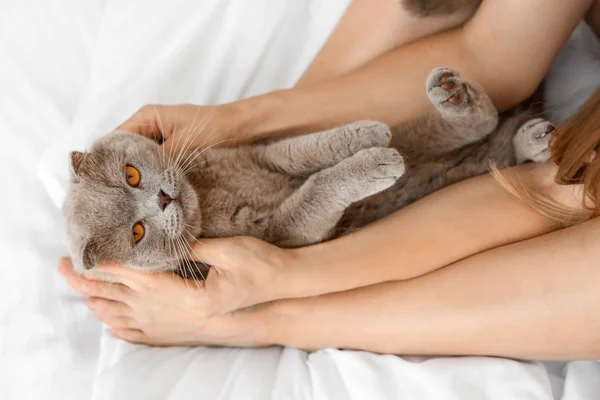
[
  {"x": 83, "y": 253},
  {"x": 77, "y": 159},
  {"x": 88, "y": 254}
]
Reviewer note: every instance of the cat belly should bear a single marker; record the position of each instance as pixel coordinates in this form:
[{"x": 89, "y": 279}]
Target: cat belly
[{"x": 241, "y": 201}]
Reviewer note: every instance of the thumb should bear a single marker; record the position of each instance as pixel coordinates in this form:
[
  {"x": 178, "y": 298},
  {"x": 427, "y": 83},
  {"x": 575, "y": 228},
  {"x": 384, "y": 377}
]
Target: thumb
[
  {"x": 171, "y": 144},
  {"x": 213, "y": 251}
]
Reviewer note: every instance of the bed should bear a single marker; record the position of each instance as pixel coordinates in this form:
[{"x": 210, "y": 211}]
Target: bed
[{"x": 71, "y": 71}]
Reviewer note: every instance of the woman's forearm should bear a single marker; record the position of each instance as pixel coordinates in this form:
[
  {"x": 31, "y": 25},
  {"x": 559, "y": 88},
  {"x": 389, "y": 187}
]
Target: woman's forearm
[
  {"x": 449, "y": 225},
  {"x": 500, "y": 48},
  {"x": 536, "y": 299}
]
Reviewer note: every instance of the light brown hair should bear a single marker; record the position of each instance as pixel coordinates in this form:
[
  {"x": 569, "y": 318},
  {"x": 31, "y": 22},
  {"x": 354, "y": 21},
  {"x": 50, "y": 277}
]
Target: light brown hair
[{"x": 573, "y": 149}]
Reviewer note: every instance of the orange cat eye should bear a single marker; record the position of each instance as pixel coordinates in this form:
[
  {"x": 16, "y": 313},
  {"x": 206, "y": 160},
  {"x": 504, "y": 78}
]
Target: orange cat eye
[
  {"x": 132, "y": 176},
  {"x": 138, "y": 232}
]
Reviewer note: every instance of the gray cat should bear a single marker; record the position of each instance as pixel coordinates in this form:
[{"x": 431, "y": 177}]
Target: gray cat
[{"x": 130, "y": 203}]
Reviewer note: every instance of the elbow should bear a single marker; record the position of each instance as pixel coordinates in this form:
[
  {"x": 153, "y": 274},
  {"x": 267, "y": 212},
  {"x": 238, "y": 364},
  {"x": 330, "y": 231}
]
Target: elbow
[
  {"x": 508, "y": 88},
  {"x": 514, "y": 90},
  {"x": 507, "y": 82}
]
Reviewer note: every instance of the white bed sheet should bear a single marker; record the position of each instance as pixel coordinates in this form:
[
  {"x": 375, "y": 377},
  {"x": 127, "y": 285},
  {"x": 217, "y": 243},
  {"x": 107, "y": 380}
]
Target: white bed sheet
[
  {"x": 48, "y": 341},
  {"x": 69, "y": 72}
]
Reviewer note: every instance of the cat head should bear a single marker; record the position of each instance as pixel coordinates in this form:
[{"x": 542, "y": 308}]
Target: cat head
[{"x": 125, "y": 205}]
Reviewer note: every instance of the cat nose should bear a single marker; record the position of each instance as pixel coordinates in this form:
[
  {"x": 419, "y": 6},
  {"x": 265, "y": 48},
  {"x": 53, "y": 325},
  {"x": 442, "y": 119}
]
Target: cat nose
[{"x": 163, "y": 200}]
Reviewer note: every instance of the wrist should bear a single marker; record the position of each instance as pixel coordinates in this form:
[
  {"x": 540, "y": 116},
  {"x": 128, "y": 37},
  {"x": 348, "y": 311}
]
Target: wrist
[
  {"x": 292, "y": 275},
  {"x": 279, "y": 321},
  {"x": 266, "y": 324},
  {"x": 322, "y": 268},
  {"x": 255, "y": 118},
  {"x": 279, "y": 282}
]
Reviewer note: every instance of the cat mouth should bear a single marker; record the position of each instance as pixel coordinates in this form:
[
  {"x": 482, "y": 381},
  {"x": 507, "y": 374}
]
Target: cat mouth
[
  {"x": 188, "y": 211},
  {"x": 175, "y": 225}
]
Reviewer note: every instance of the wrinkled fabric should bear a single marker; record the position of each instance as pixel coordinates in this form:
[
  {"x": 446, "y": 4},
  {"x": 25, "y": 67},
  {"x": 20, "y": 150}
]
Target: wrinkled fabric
[{"x": 71, "y": 71}]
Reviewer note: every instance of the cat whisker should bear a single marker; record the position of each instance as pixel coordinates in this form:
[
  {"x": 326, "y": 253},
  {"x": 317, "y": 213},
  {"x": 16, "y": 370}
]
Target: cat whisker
[
  {"x": 172, "y": 259},
  {"x": 187, "y": 135},
  {"x": 140, "y": 123},
  {"x": 182, "y": 261},
  {"x": 189, "y": 163},
  {"x": 191, "y": 268},
  {"x": 205, "y": 141},
  {"x": 190, "y": 137},
  {"x": 175, "y": 254},
  {"x": 186, "y": 225},
  {"x": 160, "y": 123},
  {"x": 168, "y": 161},
  {"x": 190, "y": 247},
  {"x": 192, "y": 151},
  {"x": 209, "y": 135}
]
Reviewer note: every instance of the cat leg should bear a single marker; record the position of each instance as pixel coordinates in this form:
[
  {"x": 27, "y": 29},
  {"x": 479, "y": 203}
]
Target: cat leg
[
  {"x": 467, "y": 111},
  {"x": 313, "y": 211},
  {"x": 531, "y": 141},
  {"x": 305, "y": 155}
]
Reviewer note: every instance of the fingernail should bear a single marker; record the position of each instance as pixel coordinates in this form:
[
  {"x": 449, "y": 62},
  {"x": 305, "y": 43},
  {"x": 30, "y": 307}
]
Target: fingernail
[
  {"x": 85, "y": 288},
  {"x": 63, "y": 261}
]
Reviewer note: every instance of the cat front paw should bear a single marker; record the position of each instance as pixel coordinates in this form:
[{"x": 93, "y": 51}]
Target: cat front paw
[
  {"x": 366, "y": 134},
  {"x": 381, "y": 168},
  {"x": 531, "y": 141}
]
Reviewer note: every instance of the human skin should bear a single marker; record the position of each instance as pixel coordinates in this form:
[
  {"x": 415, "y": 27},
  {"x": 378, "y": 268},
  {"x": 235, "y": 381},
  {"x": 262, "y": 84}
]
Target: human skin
[
  {"x": 531, "y": 299},
  {"x": 468, "y": 307}
]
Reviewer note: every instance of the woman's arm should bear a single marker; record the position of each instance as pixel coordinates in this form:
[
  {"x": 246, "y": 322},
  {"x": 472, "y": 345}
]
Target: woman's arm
[
  {"x": 536, "y": 299},
  {"x": 442, "y": 228},
  {"x": 506, "y": 47},
  {"x": 447, "y": 226}
]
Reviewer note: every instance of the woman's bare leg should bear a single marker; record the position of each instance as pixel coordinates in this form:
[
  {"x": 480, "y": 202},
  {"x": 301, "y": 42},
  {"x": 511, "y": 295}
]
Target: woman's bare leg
[
  {"x": 370, "y": 28},
  {"x": 537, "y": 299}
]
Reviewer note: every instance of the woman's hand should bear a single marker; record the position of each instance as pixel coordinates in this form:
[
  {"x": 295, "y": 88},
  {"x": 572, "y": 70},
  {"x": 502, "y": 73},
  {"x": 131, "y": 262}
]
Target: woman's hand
[
  {"x": 164, "y": 309},
  {"x": 186, "y": 126},
  {"x": 244, "y": 271}
]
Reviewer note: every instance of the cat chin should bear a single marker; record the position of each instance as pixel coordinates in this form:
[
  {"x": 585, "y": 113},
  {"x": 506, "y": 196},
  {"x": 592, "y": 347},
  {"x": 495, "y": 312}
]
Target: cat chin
[
  {"x": 152, "y": 269},
  {"x": 189, "y": 208}
]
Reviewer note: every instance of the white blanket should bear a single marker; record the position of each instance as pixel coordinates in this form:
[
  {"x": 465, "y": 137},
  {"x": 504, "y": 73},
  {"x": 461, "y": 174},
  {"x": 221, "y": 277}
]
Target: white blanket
[{"x": 71, "y": 71}]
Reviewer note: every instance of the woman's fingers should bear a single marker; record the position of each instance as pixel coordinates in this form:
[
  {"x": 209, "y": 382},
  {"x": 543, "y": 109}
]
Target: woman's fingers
[
  {"x": 130, "y": 277},
  {"x": 110, "y": 275},
  {"x": 106, "y": 290},
  {"x": 113, "y": 313},
  {"x": 108, "y": 307},
  {"x": 131, "y": 335},
  {"x": 117, "y": 322},
  {"x": 65, "y": 266},
  {"x": 151, "y": 121}
]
